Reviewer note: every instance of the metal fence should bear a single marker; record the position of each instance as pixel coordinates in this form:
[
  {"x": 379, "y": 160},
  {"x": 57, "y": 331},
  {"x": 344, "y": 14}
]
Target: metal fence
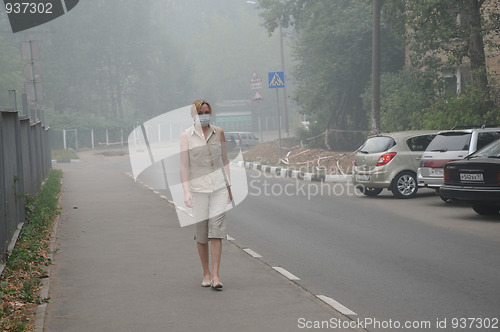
[
  {"x": 25, "y": 161},
  {"x": 99, "y": 138}
]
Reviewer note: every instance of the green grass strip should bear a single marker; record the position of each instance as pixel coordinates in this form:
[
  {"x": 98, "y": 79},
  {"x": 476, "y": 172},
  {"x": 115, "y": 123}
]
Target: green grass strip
[{"x": 26, "y": 265}]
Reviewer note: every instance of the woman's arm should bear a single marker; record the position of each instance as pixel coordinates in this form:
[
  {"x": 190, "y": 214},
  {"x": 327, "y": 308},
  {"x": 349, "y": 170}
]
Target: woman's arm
[
  {"x": 188, "y": 200},
  {"x": 225, "y": 160}
]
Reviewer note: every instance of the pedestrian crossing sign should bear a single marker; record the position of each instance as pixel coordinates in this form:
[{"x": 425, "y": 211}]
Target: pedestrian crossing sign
[{"x": 276, "y": 79}]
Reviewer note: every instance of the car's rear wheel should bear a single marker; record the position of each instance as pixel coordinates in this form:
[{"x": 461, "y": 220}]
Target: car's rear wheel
[
  {"x": 405, "y": 185},
  {"x": 486, "y": 210},
  {"x": 371, "y": 192}
]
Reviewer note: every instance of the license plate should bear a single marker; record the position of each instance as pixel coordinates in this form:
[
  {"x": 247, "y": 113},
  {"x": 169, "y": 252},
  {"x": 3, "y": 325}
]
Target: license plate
[
  {"x": 470, "y": 177},
  {"x": 436, "y": 172},
  {"x": 363, "y": 177}
]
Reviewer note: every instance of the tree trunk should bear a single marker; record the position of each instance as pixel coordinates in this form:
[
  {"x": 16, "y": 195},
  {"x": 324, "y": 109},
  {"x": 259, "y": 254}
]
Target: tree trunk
[
  {"x": 334, "y": 115},
  {"x": 476, "y": 48}
]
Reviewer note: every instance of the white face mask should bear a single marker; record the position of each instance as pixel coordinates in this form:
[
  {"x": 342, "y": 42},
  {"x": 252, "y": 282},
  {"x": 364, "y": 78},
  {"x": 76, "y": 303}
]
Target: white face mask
[{"x": 204, "y": 119}]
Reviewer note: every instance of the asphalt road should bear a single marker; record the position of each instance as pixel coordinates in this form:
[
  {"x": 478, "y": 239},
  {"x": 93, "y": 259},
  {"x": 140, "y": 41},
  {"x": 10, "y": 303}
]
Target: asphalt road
[
  {"x": 383, "y": 258},
  {"x": 420, "y": 261}
]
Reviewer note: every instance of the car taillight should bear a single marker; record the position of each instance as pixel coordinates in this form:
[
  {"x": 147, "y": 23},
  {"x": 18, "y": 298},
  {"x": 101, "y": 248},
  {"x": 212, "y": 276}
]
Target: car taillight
[
  {"x": 385, "y": 158},
  {"x": 498, "y": 178},
  {"x": 434, "y": 163},
  {"x": 446, "y": 176}
]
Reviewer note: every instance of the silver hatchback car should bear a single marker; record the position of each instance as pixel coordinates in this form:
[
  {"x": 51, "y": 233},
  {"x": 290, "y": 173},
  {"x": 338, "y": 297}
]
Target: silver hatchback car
[
  {"x": 451, "y": 145},
  {"x": 390, "y": 161}
]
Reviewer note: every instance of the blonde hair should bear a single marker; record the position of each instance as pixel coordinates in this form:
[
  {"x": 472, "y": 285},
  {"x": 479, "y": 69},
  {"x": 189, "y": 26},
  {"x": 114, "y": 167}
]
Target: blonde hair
[{"x": 198, "y": 103}]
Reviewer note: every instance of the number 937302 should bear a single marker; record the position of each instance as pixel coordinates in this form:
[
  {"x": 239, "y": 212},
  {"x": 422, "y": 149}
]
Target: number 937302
[{"x": 28, "y": 8}]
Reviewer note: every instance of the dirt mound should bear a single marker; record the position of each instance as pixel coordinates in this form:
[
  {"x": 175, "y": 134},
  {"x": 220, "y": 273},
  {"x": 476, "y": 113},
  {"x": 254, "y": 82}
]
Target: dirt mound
[{"x": 295, "y": 156}]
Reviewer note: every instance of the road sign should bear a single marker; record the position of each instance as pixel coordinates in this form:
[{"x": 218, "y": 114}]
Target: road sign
[
  {"x": 256, "y": 86},
  {"x": 276, "y": 79},
  {"x": 30, "y": 50},
  {"x": 255, "y": 78},
  {"x": 32, "y": 72},
  {"x": 34, "y": 91},
  {"x": 257, "y": 97},
  {"x": 255, "y": 81}
]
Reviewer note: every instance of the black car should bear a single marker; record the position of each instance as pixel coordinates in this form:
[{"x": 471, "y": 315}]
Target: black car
[{"x": 475, "y": 179}]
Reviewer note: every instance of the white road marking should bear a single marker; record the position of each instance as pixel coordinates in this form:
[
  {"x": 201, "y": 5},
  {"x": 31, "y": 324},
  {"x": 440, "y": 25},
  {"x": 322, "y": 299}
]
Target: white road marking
[
  {"x": 328, "y": 300},
  {"x": 252, "y": 253},
  {"x": 286, "y": 273},
  {"x": 337, "y": 306}
]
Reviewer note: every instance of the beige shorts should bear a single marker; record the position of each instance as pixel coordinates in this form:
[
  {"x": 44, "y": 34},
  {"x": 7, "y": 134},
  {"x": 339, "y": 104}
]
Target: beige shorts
[{"x": 210, "y": 209}]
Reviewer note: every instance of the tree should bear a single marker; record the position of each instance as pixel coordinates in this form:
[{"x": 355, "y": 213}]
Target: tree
[
  {"x": 137, "y": 59},
  {"x": 404, "y": 96},
  {"x": 110, "y": 60},
  {"x": 11, "y": 74},
  {"x": 333, "y": 52},
  {"x": 451, "y": 33}
]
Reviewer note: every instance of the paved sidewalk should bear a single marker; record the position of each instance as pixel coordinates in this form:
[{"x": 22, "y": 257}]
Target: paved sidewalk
[{"x": 123, "y": 263}]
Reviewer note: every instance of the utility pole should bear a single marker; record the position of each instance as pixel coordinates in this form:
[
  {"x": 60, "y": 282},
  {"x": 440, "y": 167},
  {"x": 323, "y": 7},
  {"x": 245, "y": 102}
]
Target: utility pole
[
  {"x": 284, "y": 88},
  {"x": 32, "y": 72},
  {"x": 376, "y": 67}
]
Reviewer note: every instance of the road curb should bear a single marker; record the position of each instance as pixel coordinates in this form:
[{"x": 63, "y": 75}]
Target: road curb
[
  {"x": 66, "y": 161},
  {"x": 284, "y": 172}
]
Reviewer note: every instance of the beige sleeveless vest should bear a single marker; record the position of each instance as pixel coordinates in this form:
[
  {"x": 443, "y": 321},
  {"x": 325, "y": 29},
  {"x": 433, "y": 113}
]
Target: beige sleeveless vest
[{"x": 205, "y": 160}]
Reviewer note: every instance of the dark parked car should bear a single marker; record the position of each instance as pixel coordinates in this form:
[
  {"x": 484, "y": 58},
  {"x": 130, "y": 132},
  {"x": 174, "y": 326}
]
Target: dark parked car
[{"x": 476, "y": 180}]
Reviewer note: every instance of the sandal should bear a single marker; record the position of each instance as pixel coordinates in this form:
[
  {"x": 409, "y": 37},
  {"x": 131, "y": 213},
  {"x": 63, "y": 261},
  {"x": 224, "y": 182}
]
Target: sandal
[{"x": 217, "y": 285}]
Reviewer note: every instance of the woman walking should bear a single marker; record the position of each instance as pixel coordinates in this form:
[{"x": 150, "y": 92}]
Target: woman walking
[{"x": 205, "y": 180}]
